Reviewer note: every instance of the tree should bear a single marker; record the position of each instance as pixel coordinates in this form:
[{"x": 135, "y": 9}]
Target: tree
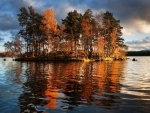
[
  {"x": 15, "y": 46},
  {"x": 17, "y": 43},
  {"x": 99, "y": 34},
  {"x": 73, "y": 27},
  {"x": 89, "y": 31},
  {"x": 86, "y": 35},
  {"x": 112, "y": 32},
  {"x": 99, "y": 46},
  {"x": 50, "y": 29},
  {"x": 8, "y": 46},
  {"x": 30, "y": 21},
  {"x": 33, "y": 30},
  {"x": 23, "y": 22}
]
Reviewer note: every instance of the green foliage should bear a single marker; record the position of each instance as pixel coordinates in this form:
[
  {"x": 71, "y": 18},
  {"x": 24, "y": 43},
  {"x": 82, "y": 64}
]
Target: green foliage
[{"x": 30, "y": 22}]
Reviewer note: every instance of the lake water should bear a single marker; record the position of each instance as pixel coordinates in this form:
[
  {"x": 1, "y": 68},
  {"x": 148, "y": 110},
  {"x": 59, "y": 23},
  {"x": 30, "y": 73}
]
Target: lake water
[{"x": 75, "y": 87}]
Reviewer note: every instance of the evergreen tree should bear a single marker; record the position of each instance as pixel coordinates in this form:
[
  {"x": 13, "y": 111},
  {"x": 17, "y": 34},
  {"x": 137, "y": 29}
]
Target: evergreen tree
[
  {"x": 73, "y": 27},
  {"x": 110, "y": 26},
  {"x": 29, "y": 20},
  {"x": 90, "y": 31}
]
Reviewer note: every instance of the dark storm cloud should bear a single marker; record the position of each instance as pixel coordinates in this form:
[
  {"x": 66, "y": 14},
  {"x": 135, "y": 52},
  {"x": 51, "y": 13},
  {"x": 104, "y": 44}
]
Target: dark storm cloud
[
  {"x": 134, "y": 14},
  {"x": 8, "y": 13},
  {"x": 131, "y": 9},
  {"x": 125, "y": 10}
]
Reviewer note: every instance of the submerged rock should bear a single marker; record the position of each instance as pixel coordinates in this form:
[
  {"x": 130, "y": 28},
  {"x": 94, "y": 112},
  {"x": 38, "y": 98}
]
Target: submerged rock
[{"x": 134, "y": 59}]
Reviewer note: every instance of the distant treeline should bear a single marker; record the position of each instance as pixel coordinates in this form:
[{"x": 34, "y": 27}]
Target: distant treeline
[{"x": 138, "y": 53}]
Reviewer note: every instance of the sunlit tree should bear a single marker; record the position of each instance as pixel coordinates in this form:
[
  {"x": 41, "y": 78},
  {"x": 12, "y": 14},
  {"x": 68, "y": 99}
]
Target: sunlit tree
[
  {"x": 49, "y": 28},
  {"x": 112, "y": 32},
  {"x": 90, "y": 32}
]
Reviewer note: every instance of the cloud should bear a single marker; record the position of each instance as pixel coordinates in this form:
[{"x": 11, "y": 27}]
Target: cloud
[
  {"x": 65, "y": 8},
  {"x": 8, "y": 22},
  {"x": 139, "y": 44},
  {"x": 133, "y": 14},
  {"x": 128, "y": 31},
  {"x": 36, "y": 4},
  {"x": 142, "y": 26},
  {"x": 1, "y": 39},
  {"x": 4, "y": 36}
]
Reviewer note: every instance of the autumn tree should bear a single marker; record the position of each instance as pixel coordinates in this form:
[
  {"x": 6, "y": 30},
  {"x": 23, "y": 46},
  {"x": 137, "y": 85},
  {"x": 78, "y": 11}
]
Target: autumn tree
[
  {"x": 99, "y": 46},
  {"x": 49, "y": 28},
  {"x": 90, "y": 32},
  {"x": 86, "y": 33},
  {"x": 100, "y": 41}
]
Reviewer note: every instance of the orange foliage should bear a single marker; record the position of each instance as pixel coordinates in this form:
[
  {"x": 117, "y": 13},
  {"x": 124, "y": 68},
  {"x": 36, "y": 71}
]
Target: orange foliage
[
  {"x": 49, "y": 23},
  {"x": 99, "y": 46},
  {"x": 113, "y": 36},
  {"x": 49, "y": 28},
  {"x": 113, "y": 39},
  {"x": 86, "y": 27}
]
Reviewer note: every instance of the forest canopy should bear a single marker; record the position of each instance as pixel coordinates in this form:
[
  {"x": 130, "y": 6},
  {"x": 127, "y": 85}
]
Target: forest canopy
[{"x": 85, "y": 35}]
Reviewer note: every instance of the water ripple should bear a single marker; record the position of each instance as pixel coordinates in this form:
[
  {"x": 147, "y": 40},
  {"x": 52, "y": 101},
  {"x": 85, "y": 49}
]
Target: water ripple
[{"x": 116, "y": 87}]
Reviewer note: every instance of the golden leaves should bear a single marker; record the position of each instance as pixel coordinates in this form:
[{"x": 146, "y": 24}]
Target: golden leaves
[
  {"x": 49, "y": 23},
  {"x": 86, "y": 27}
]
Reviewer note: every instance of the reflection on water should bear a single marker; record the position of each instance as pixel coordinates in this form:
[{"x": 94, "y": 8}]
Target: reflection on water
[{"x": 118, "y": 86}]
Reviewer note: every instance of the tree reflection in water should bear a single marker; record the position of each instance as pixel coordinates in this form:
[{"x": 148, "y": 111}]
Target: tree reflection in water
[{"x": 87, "y": 84}]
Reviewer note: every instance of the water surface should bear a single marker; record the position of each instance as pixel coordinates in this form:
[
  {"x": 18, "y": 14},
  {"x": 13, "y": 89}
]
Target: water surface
[{"x": 72, "y": 87}]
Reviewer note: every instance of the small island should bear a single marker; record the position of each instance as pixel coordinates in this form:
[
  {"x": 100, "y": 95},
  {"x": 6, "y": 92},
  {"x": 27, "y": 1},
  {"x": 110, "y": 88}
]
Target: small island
[{"x": 80, "y": 37}]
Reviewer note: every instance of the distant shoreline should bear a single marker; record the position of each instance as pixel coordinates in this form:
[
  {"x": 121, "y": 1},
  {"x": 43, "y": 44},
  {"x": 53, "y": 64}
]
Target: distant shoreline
[{"x": 138, "y": 53}]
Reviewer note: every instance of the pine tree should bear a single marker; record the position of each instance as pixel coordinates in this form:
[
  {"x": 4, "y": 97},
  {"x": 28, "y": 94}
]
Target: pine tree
[
  {"x": 73, "y": 28},
  {"x": 112, "y": 32}
]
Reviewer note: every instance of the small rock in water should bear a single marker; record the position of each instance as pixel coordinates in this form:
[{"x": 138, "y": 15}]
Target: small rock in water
[{"x": 134, "y": 59}]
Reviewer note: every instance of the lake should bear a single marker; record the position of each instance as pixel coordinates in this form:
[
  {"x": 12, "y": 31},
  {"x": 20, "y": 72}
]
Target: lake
[{"x": 75, "y": 87}]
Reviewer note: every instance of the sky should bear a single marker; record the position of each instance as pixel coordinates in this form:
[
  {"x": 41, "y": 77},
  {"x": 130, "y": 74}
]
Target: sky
[{"x": 134, "y": 16}]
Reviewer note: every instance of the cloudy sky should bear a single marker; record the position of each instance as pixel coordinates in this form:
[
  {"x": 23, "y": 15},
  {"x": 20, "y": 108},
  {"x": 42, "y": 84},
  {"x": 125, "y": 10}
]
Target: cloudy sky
[{"x": 133, "y": 14}]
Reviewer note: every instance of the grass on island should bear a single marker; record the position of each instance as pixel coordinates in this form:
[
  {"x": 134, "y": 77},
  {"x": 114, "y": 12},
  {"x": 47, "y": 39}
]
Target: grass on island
[
  {"x": 108, "y": 59},
  {"x": 86, "y": 60}
]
